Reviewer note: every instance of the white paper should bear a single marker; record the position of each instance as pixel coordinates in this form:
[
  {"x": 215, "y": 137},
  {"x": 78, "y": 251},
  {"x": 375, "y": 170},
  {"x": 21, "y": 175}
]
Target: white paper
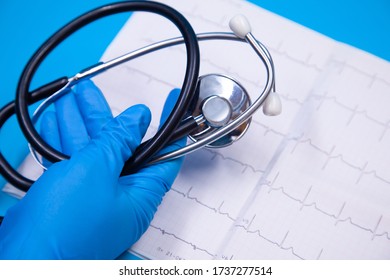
[{"x": 312, "y": 183}]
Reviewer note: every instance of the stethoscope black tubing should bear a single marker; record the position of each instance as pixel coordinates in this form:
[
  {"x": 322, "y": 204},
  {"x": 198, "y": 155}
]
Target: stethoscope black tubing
[
  {"x": 181, "y": 108},
  {"x": 9, "y": 173}
]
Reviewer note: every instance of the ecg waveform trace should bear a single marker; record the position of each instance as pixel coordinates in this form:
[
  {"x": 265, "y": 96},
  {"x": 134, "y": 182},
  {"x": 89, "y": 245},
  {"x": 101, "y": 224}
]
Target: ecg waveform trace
[{"x": 312, "y": 183}]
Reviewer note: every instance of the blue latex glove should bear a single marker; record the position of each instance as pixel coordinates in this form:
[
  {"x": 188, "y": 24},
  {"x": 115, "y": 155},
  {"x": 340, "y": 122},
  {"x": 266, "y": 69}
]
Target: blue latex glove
[{"x": 80, "y": 208}]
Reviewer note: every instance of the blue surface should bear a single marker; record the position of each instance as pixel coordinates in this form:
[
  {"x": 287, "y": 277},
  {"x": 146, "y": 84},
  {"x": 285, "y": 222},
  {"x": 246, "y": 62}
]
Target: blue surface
[
  {"x": 24, "y": 26},
  {"x": 360, "y": 23}
]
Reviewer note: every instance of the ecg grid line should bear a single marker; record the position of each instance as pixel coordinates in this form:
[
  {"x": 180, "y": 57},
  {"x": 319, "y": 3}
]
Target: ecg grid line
[{"x": 191, "y": 211}]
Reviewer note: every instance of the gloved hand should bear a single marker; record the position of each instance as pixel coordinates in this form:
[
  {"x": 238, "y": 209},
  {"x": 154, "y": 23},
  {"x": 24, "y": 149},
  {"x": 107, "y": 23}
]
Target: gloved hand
[{"x": 80, "y": 208}]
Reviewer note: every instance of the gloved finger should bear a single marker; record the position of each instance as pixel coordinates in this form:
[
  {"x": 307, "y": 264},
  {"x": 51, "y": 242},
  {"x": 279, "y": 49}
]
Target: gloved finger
[
  {"x": 73, "y": 133},
  {"x": 107, "y": 153},
  {"x": 49, "y": 130},
  {"x": 93, "y": 107},
  {"x": 167, "y": 171},
  {"x": 150, "y": 184},
  {"x": 50, "y": 133}
]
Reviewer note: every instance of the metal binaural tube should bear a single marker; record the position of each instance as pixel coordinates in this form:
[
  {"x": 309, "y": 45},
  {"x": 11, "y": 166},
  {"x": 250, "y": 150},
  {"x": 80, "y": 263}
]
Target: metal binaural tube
[{"x": 259, "y": 48}]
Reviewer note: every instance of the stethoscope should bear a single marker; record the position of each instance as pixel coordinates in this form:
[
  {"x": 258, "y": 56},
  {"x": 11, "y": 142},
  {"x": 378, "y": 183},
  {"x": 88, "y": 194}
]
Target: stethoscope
[{"x": 213, "y": 110}]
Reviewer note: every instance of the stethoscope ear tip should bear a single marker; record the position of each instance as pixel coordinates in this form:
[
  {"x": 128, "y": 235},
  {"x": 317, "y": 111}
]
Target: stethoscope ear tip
[
  {"x": 272, "y": 105},
  {"x": 240, "y": 26}
]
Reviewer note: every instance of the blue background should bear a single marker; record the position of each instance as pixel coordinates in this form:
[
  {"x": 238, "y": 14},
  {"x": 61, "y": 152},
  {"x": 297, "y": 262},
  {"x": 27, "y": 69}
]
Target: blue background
[{"x": 24, "y": 25}]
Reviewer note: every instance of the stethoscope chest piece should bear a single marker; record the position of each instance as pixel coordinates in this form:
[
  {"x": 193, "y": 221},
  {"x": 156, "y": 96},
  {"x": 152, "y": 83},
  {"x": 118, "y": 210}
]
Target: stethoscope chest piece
[{"x": 221, "y": 100}]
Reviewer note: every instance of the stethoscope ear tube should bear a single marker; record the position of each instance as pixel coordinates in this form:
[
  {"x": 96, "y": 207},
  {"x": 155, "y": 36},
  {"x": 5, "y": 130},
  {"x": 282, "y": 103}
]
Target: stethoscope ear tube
[{"x": 158, "y": 141}]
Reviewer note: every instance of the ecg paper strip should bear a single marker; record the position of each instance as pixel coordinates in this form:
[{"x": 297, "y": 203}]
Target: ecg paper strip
[{"x": 312, "y": 183}]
